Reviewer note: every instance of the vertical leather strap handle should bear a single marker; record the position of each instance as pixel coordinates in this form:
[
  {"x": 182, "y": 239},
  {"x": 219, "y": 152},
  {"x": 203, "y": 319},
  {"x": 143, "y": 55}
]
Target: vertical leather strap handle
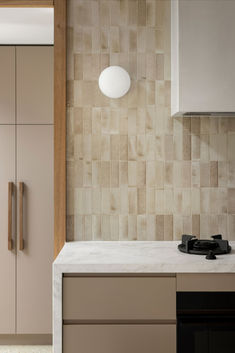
[
  {"x": 10, "y": 218},
  {"x": 21, "y": 240}
]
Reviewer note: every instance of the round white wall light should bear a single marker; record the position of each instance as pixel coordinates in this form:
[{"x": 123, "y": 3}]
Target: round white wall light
[{"x": 114, "y": 82}]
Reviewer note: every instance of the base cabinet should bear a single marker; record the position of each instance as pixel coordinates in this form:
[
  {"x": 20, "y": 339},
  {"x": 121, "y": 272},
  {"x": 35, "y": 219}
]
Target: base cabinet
[
  {"x": 116, "y": 314},
  {"x": 111, "y": 313},
  {"x": 119, "y": 298},
  {"x": 119, "y": 338}
]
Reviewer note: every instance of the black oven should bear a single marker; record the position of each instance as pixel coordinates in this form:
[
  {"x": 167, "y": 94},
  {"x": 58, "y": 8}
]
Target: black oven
[{"x": 205, "y": 322}]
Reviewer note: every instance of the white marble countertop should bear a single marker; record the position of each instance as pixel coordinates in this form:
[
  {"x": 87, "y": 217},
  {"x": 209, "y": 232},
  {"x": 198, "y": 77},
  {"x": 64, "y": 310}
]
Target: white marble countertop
[{"x": 137, "y": 257}]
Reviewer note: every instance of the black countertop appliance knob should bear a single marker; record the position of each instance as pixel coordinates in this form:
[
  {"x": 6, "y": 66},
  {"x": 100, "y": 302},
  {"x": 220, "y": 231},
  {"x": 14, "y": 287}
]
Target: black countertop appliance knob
[{"x": 210, "y": 255}]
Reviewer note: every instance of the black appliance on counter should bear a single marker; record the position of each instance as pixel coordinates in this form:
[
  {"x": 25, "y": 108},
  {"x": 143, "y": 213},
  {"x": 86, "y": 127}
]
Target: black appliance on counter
[
  {"x": 205, "y": 322},
  {"x": 211, "y": 247}
]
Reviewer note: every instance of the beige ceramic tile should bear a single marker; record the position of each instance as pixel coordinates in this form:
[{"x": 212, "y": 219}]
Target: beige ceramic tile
[
  {"x": 159, "y": 201},
  {"x": 141, "y": 200},
  {"x": 195, "y": 197},
  {"x": 105, "y": 227},
  {"x": 204, "y": 174},
  {"x": 187, "y": 225},
  {"x": 123, "y": 173},
  {"x": 123, "y": 227},
  {"x": 168, "y": 227},
  {"x": 205, "y": 200},
  {"x": 223, "y": 225},
  {"x": 132, "y": 227},
  {"x": 204, "y": 226},
  {"x": 141, "y": 227},
  {"x": 150, "y": 200},
  {"x": 196, "y": 225},
  {"x": 141, "y": 173},
  {"x": 231, "y": 147},
  {"x": 195, "y": 174},
  {"x": 177, "y": 227},
  {"x": 231, "y": 200},
  {"x": 222, "y": 195},
  {"x": 231, "y": 174},
  {"x": 114, "y": 226},
  {"x": 231, "y": 226},
  {"x": 222, "y": 174},
  {"x": 214, "y": 174},
  {"x": 96, "y": 227},
  {"x": 132, "y": 200}
]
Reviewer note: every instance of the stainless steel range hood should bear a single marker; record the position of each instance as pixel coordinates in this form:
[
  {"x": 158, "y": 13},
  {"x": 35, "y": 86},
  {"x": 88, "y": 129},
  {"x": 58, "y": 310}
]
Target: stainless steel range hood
[{"x": 203, "y": 57}]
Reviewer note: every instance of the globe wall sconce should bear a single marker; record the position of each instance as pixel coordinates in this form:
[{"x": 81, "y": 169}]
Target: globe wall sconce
[{"x": 114, "y": 82}]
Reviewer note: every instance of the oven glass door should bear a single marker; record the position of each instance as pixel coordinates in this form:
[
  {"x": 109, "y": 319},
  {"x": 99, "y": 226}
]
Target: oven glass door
[{"x": 205, "y": 334}]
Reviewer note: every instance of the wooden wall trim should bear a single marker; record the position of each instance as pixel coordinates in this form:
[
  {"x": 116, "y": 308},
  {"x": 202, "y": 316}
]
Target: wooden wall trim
[
  {"x": 59, "y": 125},
  {"x": 26, "y": 3}
]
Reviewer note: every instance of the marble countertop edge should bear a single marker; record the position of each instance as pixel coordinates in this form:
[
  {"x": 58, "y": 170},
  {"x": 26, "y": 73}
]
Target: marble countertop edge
[{"x": 102, "y": 257}]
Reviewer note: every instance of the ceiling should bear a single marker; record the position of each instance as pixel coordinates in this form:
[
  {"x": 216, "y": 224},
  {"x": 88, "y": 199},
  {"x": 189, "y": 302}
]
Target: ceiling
[{"x": 26, "y": 26}]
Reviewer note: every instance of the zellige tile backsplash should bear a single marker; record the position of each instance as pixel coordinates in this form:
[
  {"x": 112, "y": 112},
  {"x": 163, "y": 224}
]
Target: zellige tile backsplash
[{"x": 133, "y": 172}]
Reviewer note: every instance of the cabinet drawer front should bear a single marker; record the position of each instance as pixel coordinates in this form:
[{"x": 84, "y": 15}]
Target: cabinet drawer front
[
  {"x": 205, "y": 282},
  {"x": 119, "y": 298},
  {"x": 119, "y": 338}
]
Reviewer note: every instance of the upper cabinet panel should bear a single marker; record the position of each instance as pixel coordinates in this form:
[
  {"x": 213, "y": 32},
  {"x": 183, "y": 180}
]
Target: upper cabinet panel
[
  {"x": 7, "y": 85},
  {"x": 34, "y": 81},
  {"x": 203, "y": 54}
]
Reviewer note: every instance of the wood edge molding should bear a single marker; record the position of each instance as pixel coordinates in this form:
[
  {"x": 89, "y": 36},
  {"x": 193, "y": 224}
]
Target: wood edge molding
[
  {"x": 59, "y": 125},
  {"x": 26, "y": 3}
]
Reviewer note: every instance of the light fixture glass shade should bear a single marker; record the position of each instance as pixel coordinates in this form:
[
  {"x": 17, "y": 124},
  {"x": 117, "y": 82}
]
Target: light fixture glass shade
[{"x": 114, "y": 82}]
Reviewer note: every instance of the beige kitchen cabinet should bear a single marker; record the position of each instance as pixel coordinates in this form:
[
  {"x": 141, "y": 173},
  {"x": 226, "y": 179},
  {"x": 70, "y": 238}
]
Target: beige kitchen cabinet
[
  {"x": 7, "y": 257},
  {"x": 115, "y": 314},
  {"x": 205, "y": 282},
  {"x": 7, "y": 85},
  {"x": 119, "y": 338},
  {"x": 26, "y": 217},
  {"x": 119, "y": 298},
  {"x": 34, "y": 270},
  {"x": 28, "y": 72},
  {"x": 34, "y": 80}
]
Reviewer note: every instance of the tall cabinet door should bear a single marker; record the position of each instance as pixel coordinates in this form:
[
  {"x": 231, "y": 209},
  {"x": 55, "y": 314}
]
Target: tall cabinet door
[
  {"x": 34, "y": 84},
  {"x": 7, "y": 257},
  {"x": 7, "y": 85},
  {"x": 34, "y": 261}
]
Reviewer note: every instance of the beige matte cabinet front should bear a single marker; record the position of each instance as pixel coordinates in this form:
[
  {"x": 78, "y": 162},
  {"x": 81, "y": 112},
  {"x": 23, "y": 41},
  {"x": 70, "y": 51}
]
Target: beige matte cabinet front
[
  {"x": 119, "y": 298},
  {"x": 7, "y": 257},
  {"x": 34, "y": 270},
  {"x": 205, "y": 282},
  {"x": 119, "y": 338},
  {"x": 34, "y": 80},
  {"x": 26, "y": 156},
  {"x": 7, "y": 85}
]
